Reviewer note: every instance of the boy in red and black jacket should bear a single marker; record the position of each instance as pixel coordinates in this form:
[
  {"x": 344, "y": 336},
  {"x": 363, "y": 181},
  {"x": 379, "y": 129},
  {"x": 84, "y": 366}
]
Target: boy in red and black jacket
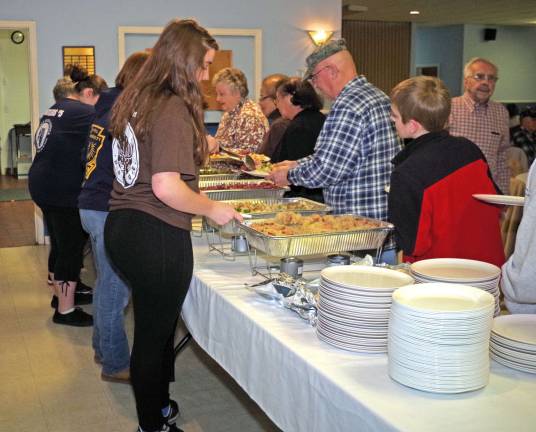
[{"x": 431, "y": 199}]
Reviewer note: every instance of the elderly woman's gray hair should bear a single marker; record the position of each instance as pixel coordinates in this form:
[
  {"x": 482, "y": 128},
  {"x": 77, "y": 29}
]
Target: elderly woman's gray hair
[
  {"x": 64, "y": 87},
  {"x": 234, "y": 78}
]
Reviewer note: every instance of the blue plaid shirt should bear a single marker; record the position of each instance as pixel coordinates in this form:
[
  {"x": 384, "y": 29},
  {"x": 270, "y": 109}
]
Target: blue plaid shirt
[{"x": 352, "y": 158}]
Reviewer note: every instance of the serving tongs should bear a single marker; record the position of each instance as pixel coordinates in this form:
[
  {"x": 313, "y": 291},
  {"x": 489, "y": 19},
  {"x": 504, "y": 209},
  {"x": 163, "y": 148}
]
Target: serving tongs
[{"x": 247, "y": 160}]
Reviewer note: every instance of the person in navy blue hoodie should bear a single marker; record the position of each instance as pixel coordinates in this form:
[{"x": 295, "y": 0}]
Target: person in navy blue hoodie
[
  {"x": 54, "y": 182},
  {"x": 111, "y": 294}
]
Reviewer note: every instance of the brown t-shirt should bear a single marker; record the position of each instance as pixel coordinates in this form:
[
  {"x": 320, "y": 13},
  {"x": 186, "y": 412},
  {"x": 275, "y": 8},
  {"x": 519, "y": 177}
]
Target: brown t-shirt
[{"x": 169, "y": 148}]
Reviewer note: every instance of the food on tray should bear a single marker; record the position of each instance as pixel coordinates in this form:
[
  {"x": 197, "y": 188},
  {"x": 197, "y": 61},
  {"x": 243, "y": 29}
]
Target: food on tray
[
  {"x": 242, "y": 185},
  {"x": 216, "y": 169},
  {"x": 267, "y": 207},
  {"x": 259, "y": 159},
  {"x": 290, "y": 223}
]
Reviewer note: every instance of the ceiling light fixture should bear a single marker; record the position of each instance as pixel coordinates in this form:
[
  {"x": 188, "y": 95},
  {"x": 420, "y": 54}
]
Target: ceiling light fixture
[
  {"x": 320, "y": 37},
  {"x": 356, "y": 8},
  {"x": 415, "y": 12}
]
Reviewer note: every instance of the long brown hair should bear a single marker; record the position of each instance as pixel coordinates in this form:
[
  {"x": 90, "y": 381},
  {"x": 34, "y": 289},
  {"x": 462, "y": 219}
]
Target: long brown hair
[
  {"x": 130, "y": 68},
  {"x": 171, "y": 69}
]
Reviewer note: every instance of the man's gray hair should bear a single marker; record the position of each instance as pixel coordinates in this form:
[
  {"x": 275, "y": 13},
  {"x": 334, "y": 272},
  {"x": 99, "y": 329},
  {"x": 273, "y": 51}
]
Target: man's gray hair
[{"x": 467, "y": 69}]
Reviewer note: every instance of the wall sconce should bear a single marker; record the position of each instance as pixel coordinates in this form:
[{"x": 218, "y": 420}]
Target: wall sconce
[{"x": 320, "y": 37}]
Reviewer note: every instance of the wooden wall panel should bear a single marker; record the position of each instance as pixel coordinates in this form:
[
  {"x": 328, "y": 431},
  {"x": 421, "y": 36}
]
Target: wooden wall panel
[
  {"x": 222, "y": 59},
  {"x": 381, "y": 50}
]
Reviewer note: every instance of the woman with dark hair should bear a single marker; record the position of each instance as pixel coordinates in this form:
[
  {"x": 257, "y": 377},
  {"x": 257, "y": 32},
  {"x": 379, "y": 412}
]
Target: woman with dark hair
[
  {"x": 298, "y": 102},
  {"x": 54, "y": 181},
  {"x": 159, "y": 145},
  {"x": 111, "y": 294}
]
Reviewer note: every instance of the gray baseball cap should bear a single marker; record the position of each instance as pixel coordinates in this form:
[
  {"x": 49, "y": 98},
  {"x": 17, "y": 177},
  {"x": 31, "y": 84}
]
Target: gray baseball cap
[{"x": 322, "y": 53}]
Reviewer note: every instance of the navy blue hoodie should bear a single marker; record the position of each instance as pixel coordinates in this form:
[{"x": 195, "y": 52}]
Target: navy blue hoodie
[
  {"x": 57, "y": 170},
  {"x": 99, "y": 174}
]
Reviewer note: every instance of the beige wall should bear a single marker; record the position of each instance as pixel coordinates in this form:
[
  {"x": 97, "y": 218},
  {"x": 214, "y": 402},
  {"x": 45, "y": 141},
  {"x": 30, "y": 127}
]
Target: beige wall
[{"x": 14, "y": 89}]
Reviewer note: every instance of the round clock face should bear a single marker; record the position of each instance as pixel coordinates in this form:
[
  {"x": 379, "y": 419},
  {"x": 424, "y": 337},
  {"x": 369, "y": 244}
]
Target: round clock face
[{"x": 17, "y": 37}]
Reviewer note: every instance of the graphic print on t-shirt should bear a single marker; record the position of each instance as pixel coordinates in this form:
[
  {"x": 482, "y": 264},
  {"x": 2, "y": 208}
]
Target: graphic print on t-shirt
[
  {"x": 126, "y": 161},
  {"x": 96, "y": 141},
  {"x": 42, "y": 134}
]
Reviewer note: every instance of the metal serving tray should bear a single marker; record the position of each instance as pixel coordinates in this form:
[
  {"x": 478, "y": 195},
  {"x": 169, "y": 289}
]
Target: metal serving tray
[
  {"x": 233, "y": 194},
  {"x": 316, "y": 244},
  {"x": 233, "y": 227},
  {"x": 203, "y": 178}
]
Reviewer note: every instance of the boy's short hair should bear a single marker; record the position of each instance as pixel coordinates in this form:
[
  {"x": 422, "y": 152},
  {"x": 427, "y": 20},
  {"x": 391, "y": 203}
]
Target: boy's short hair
[{"x": 424, "y": 99}]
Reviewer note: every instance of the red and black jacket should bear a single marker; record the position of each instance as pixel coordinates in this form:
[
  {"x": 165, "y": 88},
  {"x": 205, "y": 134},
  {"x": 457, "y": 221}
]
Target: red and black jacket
[{"x": 431, "y": 201}]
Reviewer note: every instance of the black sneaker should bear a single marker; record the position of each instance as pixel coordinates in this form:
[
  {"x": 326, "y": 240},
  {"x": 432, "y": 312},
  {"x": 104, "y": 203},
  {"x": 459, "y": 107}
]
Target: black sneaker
[
  {"x": 174, "y": 412},
  {"x": 82, "y": 288},
  {"x": 80, "y": 299},
  {"x": 164, "y": 428},
  {"x": 76, "y": 318}
]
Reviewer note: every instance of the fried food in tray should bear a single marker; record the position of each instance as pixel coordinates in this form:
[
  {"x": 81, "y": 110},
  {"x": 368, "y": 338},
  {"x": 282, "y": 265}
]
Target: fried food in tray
[{"x": 290, "y": 224}]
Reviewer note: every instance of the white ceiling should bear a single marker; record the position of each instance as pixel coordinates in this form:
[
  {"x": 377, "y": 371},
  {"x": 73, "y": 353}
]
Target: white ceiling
[{"x": 498, "y": 12}]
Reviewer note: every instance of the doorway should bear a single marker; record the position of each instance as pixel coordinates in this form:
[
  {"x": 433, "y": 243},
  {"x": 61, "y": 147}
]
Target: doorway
[{"x": 20, "y": 221}]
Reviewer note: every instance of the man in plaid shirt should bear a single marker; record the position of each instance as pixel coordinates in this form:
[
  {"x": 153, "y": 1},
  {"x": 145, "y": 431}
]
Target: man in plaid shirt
[
  {"x": 482, "y": 121},
  {"x": 352, "y": 158}
]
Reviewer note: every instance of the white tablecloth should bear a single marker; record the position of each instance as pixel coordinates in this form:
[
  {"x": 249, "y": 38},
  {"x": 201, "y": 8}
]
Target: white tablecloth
[{"x": 304, "y": 384}]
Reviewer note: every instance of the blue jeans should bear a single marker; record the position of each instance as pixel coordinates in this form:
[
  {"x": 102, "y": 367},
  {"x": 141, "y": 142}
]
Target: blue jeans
[{"x": 110, "y": 297}]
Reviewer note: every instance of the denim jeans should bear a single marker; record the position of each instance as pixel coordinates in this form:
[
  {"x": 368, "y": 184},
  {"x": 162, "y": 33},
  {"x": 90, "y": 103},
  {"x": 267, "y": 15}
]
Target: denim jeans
[{"x": 110, "y": 297}]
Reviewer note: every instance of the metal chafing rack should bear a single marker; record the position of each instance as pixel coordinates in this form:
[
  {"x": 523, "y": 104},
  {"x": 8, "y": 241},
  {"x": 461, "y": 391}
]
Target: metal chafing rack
[{"x": 316, "y": 244}]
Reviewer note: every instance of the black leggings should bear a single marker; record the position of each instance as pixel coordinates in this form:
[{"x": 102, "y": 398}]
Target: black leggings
[
  {"x": 156, "y": 260},
  {"x": 67, "y": 240}
]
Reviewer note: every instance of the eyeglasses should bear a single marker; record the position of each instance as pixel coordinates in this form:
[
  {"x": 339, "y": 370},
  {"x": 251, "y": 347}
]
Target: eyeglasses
[
  {"x": 314, "y": 76},
  {"x": 484, "y": 77}
]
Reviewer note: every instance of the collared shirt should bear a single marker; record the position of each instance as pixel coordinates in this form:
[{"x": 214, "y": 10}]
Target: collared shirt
[
  {"x": 243, "y": 128},
  {"x": 526, "y": 141},
  {"x": 352, "y": 158},
  {"x": 487, "y": 126}
]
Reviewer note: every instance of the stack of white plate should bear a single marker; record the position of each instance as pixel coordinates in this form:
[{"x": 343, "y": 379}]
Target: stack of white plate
[
  {"x": 474, "y": 273},
  {"x": 353, "y": 310},
  {"x": 439, "y": 337},
  {"x": 513, "y": 341}
]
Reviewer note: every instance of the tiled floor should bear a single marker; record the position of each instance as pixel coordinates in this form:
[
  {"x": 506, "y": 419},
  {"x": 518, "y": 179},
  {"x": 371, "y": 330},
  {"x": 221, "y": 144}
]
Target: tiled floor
[
  {"x": 16, "y": 217},
  {"x": 49, "y": 382}
]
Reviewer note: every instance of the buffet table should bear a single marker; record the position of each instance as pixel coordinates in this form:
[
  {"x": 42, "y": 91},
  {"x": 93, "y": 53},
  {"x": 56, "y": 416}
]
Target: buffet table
[{"x": 304, "y": 384}]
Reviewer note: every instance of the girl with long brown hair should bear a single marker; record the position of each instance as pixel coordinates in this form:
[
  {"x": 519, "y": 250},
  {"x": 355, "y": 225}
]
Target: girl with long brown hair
[{"x": 159, "y": 145}]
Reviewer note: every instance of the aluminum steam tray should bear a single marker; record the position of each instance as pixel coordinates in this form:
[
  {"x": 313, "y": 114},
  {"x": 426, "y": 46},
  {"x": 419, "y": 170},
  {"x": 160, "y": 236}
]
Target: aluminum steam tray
[
  {"x": 204, "y": 178},
  {"x": 316, "y": 244},
  {"x": 233, "y": 227},
  {"x": 233, "y": 194}
]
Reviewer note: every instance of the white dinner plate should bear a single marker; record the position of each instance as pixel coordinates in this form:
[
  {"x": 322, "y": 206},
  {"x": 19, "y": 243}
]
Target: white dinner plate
[
  {"x": 501, "y": 199},
  {"x": 440, "y": 297},
  {"x": 366, "y": 277},
  {"x": 257, "y": 173},
  {"x": 456, "y": 270},
  {"x": 518, "y": 328}
]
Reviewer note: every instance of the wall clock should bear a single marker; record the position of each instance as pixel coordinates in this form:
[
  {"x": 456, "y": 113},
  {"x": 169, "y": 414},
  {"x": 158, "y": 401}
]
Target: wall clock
[{"x": 17, "y": 37}]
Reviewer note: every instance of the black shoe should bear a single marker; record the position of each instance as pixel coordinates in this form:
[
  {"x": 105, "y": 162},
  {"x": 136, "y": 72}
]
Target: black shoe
[
  {"x": 82, "y": 288},
  {"x": 174, "y": 412},
  {"x": 165, "y": 428},
  {"x": 80, "y": 299},
  {"x": 76, "y": 318}
]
